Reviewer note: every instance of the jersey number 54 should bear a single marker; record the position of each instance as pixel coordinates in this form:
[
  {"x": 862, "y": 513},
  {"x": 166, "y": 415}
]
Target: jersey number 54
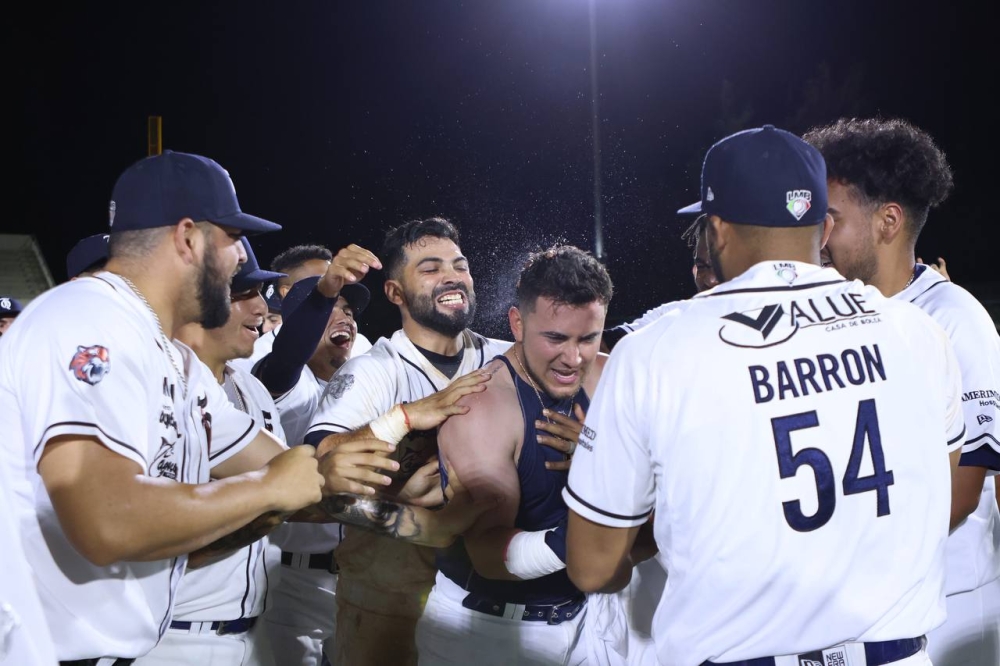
[{"x": 865, "y": 430}]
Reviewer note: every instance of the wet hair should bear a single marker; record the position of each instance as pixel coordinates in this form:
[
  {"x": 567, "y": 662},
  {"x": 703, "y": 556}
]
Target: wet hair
[
  {"x": 297, "y": 255},
  {"x": 886, "y": 160},
  {"x": 694, "y": 231},
  {"x": 397, "y": 239},
  {"x": 565, "y": 274}
]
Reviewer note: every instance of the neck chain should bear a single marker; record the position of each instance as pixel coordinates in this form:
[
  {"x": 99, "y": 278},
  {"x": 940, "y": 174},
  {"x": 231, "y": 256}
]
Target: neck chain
[
  {"x": 913, "y": 276},
  {"x": 538, "y": 393},
  {"x": 163, "y": 336},
  {"x": 237, "y": 392}
]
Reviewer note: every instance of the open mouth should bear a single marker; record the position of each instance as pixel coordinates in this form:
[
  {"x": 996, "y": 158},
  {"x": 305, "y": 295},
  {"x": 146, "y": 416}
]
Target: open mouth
[
  {"x": 252, "y": 330},
  {"x": 565, "y": 377},
  {"x": 453, "y": 300},
  {"x": 340, "y": 339}
]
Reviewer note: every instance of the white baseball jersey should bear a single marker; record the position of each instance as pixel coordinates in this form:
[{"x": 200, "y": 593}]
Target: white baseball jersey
[
  {"x": 24, "y": 635},
  {"x": 234, "y": 587},
  {"x": 791, "y": 430},
  {"x": 88, "y": 360},
  {"x": 974, "y": 546},
  {"x": 367, "y": 386}
]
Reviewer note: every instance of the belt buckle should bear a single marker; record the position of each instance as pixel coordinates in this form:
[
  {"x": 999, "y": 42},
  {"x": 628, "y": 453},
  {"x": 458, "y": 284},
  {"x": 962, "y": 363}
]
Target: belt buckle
[{"x": 554, "y": 611}]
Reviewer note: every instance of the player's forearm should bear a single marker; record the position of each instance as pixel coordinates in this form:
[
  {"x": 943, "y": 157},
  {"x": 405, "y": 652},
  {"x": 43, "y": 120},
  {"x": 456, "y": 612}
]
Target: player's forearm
[
  {"x": 397, "y": 521},
  {"x": 161, "y": 519},
  {"x": 295, "y": 343},
  {"x": 331, "y": 441},
  {"x": 487, "y": 551},
  {"x": 253, "y": 531},
  {"x": 966, "y": 490}
]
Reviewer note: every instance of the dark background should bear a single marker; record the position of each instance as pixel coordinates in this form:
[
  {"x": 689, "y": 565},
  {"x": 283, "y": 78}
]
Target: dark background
[{"x": 341, "y": 119}]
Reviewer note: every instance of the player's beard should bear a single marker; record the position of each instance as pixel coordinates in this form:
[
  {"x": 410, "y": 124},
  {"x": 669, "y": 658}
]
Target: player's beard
[
  {"x": 213, "y": 292},
  {"x": 424, "y": 310},
  {"x": 862, "y": 264}
]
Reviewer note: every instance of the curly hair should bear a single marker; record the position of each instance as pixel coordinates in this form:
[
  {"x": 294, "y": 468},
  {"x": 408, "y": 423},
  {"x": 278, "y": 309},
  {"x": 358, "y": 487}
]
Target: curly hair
[
  {"x": 886, "y": 160},
  {"x": 565, "y": 274},
  {"x": 397, "y": 239}
]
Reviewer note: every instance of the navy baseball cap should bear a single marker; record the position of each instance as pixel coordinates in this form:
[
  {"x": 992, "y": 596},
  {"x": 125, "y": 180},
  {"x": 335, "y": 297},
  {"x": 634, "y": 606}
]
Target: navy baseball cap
[
  {"x": 357, "y": 296},
  {"x": 161, "y": 190},
  {"x": 86, "y": 254},
  {"x": 765, "y": 177},
  {"x": 9, "y": 306},
  {"x": 273, "y": 298},
  {"x": 251, "y": 273}
]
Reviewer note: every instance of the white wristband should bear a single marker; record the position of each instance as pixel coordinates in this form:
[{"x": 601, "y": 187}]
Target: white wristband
[
  {"x": 391, "y": 427},
  {"x": 529, "y": 557}
]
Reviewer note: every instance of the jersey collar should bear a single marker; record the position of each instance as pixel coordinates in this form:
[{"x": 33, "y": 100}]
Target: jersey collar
[{"x": 772, "y": 275}]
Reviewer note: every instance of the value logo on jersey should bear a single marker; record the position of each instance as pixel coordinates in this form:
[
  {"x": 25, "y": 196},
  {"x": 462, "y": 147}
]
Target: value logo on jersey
[
  {"x": 756, "y": 327},
  {"x": 90, "y": 364}
]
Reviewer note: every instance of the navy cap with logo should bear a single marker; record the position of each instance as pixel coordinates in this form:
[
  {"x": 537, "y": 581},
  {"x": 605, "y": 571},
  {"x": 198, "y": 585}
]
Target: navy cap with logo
[
  {"x": 765, "y": 177},
  {"x": 251, "y": 274},
  {"x": 273, "y": 298},
  {"x": 9, "y": 306},
  {"x": 161, "y": 190},
  {"x": 86, "y": 254},
  {"x": 356, "y": 295}
]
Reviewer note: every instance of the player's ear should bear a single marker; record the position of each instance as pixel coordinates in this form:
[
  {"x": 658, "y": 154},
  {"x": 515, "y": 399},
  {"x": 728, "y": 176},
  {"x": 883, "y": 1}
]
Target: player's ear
[
  {"x": 890, "y": 218},
  {"x": 186, "y": 236},
  {"x": 828, "y": 225},
  {"x": 516, "y": 323},
  {"x": 393, "y": 291}
]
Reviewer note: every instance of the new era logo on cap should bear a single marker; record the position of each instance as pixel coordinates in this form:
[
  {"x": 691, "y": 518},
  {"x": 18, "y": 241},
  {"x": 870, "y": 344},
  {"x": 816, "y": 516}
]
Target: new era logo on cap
[
  {"x": 162, "y": 190},
  {"x": 764, "y": 177}
]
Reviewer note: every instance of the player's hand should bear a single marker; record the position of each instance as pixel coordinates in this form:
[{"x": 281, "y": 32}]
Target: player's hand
[
  {"x": 294, "y": 479},
  {"x": 561, "y": 435},
  {"x": 940, "y": 266},
  {"x": 352, "y": 467},
  {"x": 459, "y": 515},
  {"x": 424, "y": 487},
  {"x": 350, "y": 265},
  {"x": 432, "y": 411}
]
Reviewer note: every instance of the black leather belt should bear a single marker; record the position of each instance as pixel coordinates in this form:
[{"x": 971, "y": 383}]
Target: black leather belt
[
  {"x": 876, "y": 654},
  {"x": 221, "y": 627},
  {"x": 322, "y": 561},
  {"x": 550, "y": 613}
]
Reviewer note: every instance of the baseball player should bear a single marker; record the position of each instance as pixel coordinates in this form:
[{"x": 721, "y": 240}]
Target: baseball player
[
  {"x": 10, "y": 308},
  {"x": 792, "y": 431},
  {"x": 701, "y": 271},
  {"x": 317, "y": 338},
  {"x": 505, "y": 598},
  {"x": 218, "y": 604},
  {"x": 272, "y": 319},
  {"x": 884, "y": 177},
  {"x": 87, "y": 257},
  {"x": 111, "y": 427},
  {"x": 426, "y": 365}
]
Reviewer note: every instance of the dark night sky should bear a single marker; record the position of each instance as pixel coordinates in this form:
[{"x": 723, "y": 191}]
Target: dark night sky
[{"x": 340, "y": 119}]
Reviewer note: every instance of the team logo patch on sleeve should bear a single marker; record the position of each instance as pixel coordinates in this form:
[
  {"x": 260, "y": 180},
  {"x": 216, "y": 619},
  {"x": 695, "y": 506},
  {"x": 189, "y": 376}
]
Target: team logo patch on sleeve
[
  {"x": 91, "y": 364},
  {"x": 340, "y": 384}
]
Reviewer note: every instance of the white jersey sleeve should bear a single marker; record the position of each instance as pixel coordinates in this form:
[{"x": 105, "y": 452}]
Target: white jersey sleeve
[
  {"x": 361, "y": 391},
  {"x": 92, "y": 378},
  {"x": 614, "y": 437}
]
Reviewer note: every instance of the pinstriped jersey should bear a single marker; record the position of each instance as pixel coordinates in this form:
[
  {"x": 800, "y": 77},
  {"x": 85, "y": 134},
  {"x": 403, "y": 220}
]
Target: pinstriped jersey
[
  {"x": 791, "y": 429},
  {"x": 87, "y": 359},
  {"x": 236, "y": 586},
  {"x": 974, "y": 546}
]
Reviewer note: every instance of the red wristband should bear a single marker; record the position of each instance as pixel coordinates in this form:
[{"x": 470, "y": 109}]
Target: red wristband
[{"x": 406, "y": 417}]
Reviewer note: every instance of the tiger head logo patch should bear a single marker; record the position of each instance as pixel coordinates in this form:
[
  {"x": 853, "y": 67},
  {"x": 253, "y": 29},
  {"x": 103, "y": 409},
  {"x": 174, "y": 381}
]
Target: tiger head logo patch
[{"x": 90, "y": 364}]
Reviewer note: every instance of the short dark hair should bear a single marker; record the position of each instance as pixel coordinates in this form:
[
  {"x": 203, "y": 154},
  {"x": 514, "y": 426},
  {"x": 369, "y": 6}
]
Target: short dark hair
[
  {"x": 297, "y": 255},
  {"x": 886, "y": 160},
  {"x": 565, "y": 274},
  {"x": 134, "y": 243},
  {"x": 393, "y": 254}
]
